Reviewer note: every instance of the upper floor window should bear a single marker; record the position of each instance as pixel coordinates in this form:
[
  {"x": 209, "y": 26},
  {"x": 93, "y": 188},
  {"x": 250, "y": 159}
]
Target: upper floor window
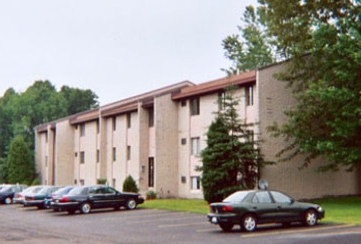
[
  {"x": 82, "y": 157},
  {"x": 221, "y": 100},
  {"x": 114, "y": 120},
  {"x": 129, "y": 152},
  {"x": 129, "y": 120},
  {"x": 114, "y": 154},
  {"x": 194, "y": 106},
  {"x": 195, "y": 146},
  {"x": 97, "y": 126},
  {"x": 98, "y": 155},
  {"x": 82, "y": 130},
  {"x": 249, "y": 95},
  {"x": 151, "y": 117}
]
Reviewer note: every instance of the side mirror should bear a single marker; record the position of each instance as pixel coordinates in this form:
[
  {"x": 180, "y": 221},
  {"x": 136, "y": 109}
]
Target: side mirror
[{"x": 292, "y": 201}]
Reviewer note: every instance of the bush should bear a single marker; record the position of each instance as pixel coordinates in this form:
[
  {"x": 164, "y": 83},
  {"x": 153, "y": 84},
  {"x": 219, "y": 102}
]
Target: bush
[
  {"x": 102, "y": 181},
  {"x": 129, "y": 185},
  {"x": 151, "y": 195}
]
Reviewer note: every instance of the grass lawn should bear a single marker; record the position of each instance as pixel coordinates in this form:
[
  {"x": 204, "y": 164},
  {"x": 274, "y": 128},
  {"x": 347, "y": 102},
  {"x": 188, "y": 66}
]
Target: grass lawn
[{"x": 345, "y": 210}]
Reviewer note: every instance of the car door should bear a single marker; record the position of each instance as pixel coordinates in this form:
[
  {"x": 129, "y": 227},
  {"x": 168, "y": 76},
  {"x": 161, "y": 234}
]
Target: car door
[
  {"x": 287, "y": 211},
  {"x": 111, "y": 197},
  {"x": 96, "y": 197},
  {"x": 264, "y": 207}
]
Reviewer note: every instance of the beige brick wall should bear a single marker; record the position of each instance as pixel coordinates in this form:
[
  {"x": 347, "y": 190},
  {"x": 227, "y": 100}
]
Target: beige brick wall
[
  {"x": 166, "y": 148},
  {"x": 64, "y": 153},
  {"x": 274, "y": 99}
]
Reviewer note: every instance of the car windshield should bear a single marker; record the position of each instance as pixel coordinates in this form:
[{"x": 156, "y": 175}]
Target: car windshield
[{"x": 238, "y": 196}]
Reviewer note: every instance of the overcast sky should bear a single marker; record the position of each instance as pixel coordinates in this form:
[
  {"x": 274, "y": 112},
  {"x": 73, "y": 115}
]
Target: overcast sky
[{"x": 115, "y": 48}]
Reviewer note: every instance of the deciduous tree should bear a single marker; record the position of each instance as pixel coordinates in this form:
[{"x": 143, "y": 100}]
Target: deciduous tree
[{"x": 322, "y": 40}]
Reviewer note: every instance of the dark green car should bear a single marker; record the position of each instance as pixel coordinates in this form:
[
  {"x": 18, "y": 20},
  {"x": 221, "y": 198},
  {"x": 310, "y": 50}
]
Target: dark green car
[{"x": 249, "y": 208}]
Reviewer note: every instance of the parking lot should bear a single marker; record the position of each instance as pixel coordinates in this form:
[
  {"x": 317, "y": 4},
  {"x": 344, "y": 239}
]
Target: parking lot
[{"x": 30, "y": 225}]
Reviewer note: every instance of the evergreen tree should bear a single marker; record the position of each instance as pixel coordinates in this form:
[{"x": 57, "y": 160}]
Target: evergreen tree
[
  {"x": 20, "y": 166},
  {"x": 129, "y": 185},
  {"x": 231, "y": 160}
]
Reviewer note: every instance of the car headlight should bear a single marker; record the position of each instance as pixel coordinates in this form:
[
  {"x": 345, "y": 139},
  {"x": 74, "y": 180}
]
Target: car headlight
[{"x": 319, "y": 208}]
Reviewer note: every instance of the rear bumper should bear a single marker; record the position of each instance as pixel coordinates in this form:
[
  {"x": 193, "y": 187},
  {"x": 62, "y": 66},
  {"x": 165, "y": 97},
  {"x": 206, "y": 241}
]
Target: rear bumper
[
  {"x": 215, "y": 218},
  {"x": 65, "y": 206},
  {"x": 33, "y": 203}
]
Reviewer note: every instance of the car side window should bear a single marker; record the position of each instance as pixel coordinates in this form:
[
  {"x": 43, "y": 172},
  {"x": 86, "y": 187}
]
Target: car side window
[
  {"x": 109, "y": 190},
  {"x": 280, "y": 197},
  {"x": 262, "y": 197}
]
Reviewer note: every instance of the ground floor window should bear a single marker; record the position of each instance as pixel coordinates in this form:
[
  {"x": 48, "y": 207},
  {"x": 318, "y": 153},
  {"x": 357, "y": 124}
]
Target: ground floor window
[
  {"x": 151, "y": 172},
  {"x": 195, "y": 183}
]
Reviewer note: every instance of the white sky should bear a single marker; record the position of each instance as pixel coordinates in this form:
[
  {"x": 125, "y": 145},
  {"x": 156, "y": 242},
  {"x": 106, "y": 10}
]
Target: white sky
[{"x": 116, "y": 48}]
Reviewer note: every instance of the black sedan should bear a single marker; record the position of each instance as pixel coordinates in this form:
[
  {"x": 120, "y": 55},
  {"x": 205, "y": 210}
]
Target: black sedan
[
  {"x": 7, "y": 192},
  {"x": 249, "y": 208},
  {"x": 85, "y": 198}
]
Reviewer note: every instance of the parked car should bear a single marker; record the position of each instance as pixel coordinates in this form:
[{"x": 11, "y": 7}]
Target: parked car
[
  {"x": 7, "y": 192},
  {"x": 57, "y": 194},
  {"x": 20, "y": 196},
  {"x": 86, "y": 198},
  {"x": 37, "y": 199},
  {"x": 249, "y": 208}
]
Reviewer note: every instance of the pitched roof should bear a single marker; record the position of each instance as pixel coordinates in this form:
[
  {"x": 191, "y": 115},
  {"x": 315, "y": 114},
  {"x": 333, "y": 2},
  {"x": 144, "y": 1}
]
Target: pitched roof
[{"x": 216, "y": 85}]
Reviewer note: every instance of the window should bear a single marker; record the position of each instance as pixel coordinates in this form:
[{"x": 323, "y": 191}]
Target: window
[
  {"x": 221, "y": 100},
  {"x": 184, "y": 103},
  {"x": 280, "y": 197},
  {"x": 114, "y": 182},
  {"x": 195, "y": 146},
  {"x": 114, "y": 154},
  {"x": 250, "y": 136},
  {"x": 184, "y": 141},
  {"x": 262, "y": 197},
  {"x": 97, "y": 125},
  {"x": 129, "y": 120},
  {"x": 82, "y": 157},
  {"x": 194, "y": 106},
  {"x": 114, "y": 120},
  {"x": 46, "y": 137},
  {"x": 98, "y": 155},
  {"x": 151, "y": 117},
  {"x": 151, "y": 172},
  {"x": 195, "y": 183},
  {"x": 81, "y": 181},
  {"x": 82, "y": 130},
  {"x": 249, "y": 95},
  {"x": 129, "y": 152}
]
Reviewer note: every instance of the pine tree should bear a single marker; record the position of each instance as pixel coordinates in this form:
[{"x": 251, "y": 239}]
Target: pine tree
[{"x": 231, "y": 159}]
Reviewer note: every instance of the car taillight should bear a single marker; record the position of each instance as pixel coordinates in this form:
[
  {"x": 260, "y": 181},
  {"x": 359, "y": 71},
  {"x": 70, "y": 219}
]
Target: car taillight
[
  {"x": 227, "y": 209},
  {"x": 64, "y": 199}
]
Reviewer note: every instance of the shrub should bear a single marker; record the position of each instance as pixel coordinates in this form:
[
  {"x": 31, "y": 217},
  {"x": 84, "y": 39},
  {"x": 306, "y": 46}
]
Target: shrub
[{"x": 129, "y": 185}]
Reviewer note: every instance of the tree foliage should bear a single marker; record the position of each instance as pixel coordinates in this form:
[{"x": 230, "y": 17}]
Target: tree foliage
[
  {"x": 252, "y": 49},
  {"x": 231, "y": 160},
  {"x": 40, "y": 103},
  {"x": 322, "y": 39},
  {"x": 20, "y": 163},
  {"x": 129, "y": 185}
]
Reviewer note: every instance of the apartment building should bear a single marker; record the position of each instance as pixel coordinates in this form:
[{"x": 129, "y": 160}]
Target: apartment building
[{"x": 156, "y": 138}]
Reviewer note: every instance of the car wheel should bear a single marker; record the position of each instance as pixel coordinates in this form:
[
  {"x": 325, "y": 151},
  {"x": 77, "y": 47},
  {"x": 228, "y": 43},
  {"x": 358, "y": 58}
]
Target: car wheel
[
  {"x": 131, "y": 204},
  {"x": 8, "y": 200},
  {"x": 310, "y": 218},
  {"x": 249, "y": 223},
  {"x": 85, "y": 208},
  {"x": 227, "y": 227}
]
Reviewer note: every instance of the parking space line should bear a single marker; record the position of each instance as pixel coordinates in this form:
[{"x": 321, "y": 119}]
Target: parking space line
[
  {"x": 180, "y": 225},
  {"x": 248, "y": 235}
]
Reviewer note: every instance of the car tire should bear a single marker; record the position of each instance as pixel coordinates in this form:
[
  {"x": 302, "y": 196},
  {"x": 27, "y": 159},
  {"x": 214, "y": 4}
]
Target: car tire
[
  {"x": 131, "y": 204},
  {"x": 310, "y": 218},
  {"x": 249, "y": 223},
  {"x": 85, "y": 208},
  {"x": 226, "y": 227},
  {"x": 8, "y": 200}
]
